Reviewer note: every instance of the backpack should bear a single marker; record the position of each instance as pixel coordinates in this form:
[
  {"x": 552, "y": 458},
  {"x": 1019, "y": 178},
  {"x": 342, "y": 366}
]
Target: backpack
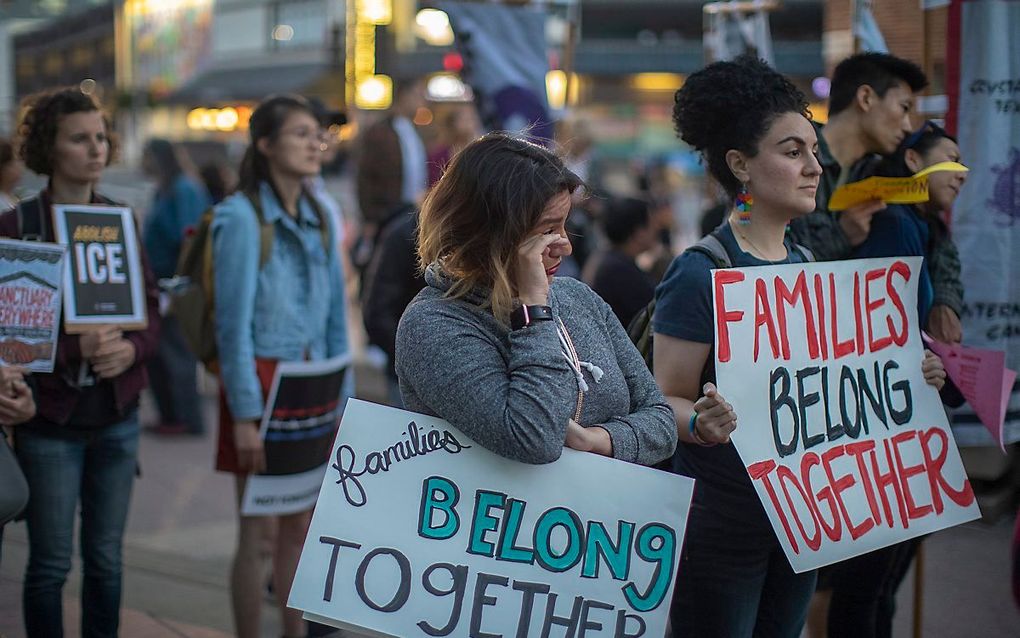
[
  {"x": 32, "y": 224},
  {"x": 192, "y": 287},
  {"x": 640, "y": 327}
]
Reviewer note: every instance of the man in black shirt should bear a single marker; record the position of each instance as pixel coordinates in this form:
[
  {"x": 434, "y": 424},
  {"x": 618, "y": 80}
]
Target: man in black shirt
[{"x": 615, "y": 275}]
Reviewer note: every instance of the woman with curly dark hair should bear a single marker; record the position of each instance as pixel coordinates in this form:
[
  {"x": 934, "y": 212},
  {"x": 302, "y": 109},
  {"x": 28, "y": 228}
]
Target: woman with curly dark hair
[
  {"x": 81, "y": 447},
  {"x": 11, "y": 169},
  {"x": 753, "y": 129}
]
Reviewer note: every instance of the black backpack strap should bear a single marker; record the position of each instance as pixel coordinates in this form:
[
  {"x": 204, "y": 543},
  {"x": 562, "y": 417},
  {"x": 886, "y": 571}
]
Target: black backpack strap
[
  {"x": 31, "y": 222},
  {"x": 712, "y": 247}
]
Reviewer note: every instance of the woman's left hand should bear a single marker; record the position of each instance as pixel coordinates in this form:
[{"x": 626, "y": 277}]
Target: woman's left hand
[
  {"x": 933, "y": 370},
  {"x": 594, "y": 439}
]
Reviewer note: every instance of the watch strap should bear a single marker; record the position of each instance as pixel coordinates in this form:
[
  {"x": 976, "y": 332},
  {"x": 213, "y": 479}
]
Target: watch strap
[{"x": 523, "y": 316}]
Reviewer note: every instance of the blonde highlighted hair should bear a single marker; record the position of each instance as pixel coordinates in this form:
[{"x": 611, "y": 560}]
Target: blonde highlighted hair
[{"x": 490, "y": 198}]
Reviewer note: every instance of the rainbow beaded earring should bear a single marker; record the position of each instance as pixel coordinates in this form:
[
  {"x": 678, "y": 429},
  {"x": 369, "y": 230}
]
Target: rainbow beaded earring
[{"x": 744, "y": 204}]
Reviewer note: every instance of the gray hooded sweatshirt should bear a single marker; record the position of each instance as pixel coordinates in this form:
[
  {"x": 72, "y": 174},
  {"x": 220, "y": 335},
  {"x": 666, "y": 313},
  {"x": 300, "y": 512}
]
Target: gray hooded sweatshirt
[{"x": 513, "y": 392}]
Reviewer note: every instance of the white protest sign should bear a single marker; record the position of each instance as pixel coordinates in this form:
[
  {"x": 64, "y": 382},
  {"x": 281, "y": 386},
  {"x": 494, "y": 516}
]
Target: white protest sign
[
  {"x": 298, "y": 428},
  {"x": 847, "y": 446},
  {"x": 30, "y": 297},
  {"x": 419, "y": 531}
]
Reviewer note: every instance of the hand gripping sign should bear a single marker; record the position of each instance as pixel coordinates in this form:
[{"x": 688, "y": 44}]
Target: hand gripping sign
[
  {"x": 419, "y": 531},
  {"x": 847, "y": 446}
]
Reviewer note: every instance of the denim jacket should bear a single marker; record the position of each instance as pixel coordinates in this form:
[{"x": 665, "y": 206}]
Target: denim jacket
[
  {"x": 174, "y": 209},
  {"x": 290, "y": 309}
]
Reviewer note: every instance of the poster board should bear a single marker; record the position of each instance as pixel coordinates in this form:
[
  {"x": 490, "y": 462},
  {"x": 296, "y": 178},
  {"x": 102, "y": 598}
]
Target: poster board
[
  {"x": 31, "y": 276},
  {"x": 298, "y": 428},
  {"x": 847, "y": 446},
  {"x": 419, "y": 531},
  {"x": 104, "y": 283}
]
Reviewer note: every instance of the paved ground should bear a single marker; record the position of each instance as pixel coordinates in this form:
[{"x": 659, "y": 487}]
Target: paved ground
[{"x": 177, "y": 549}]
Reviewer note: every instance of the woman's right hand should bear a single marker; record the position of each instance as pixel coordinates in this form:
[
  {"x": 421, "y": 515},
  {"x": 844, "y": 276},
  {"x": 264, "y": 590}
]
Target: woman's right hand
[
  {"x": 716, "y": 419},
  {"x": 93, "y": 340},
  {"x": 251, "y": 456},
  {"x": 530, "y": 276}
]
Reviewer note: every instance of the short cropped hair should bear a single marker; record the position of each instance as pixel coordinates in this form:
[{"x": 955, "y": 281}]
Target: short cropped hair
[{"x": 880, "y": 71}]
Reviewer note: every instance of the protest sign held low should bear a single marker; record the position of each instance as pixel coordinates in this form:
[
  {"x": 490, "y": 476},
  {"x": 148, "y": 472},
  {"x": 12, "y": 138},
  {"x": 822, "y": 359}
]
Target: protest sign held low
[
  {"x": 419, "y": 531},
  {"x": 103, "y": 279},
  {"x": 298, "y": 428},
  {"x": 30, "y": 285},
  {"x": 847, "y": 446}
]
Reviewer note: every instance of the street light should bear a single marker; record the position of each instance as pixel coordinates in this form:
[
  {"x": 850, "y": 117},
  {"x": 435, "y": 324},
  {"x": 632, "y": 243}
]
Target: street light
[
  {"x": 374, "y": 93},
  {"x": 433, "y": 26}
]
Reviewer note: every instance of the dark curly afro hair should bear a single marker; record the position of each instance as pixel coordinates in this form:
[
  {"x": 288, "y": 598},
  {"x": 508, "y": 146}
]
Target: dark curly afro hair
[
  {"x": 729, "y": 106},
  {"x": 37, "y": 131}
]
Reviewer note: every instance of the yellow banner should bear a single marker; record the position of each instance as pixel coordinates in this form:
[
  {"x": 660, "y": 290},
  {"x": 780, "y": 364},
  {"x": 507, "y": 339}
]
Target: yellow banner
[{"x": 891, "y": 190}]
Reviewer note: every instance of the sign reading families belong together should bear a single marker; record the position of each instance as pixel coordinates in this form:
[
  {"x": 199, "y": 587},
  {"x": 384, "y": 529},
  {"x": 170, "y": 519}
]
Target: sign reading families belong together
[
  {"x": 847, "y": 446},
  {"x": 419, "y": 531},
  {"x": 104, "y": 282}
]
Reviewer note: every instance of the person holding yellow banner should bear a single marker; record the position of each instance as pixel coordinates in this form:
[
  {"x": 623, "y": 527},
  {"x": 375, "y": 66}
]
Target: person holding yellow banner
[
  {"x": 863, "y": 598},
  {"x": 908, "y": 230}
]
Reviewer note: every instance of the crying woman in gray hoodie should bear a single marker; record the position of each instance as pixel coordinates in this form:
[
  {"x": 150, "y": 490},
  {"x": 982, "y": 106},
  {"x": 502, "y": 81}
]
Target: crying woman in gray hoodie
[{"x": 523, "y": 362}]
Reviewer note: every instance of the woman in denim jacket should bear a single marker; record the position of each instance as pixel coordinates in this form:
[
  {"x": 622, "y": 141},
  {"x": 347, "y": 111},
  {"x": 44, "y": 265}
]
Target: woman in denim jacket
[{"x": 290, "y": 308}]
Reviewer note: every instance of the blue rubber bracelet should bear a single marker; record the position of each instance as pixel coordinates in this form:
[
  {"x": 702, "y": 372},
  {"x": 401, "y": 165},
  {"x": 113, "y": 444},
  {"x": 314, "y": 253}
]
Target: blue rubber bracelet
[{"x": 690, "y": 424}]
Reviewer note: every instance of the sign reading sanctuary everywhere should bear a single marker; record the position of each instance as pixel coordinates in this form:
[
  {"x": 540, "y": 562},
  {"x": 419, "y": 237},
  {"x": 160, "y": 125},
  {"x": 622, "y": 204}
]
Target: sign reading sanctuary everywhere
[
  {"x": 847, "y": 446},
  {"x": 103, "y": 279},
  {"x": 419, "y": 531},
  {"x": 30, "y": 277}
]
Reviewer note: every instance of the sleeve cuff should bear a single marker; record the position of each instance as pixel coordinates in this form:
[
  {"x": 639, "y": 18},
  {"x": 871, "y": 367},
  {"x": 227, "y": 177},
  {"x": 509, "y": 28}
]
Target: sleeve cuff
[
  {"x": 246, "y": 409},
  {"x": 949, "y": 299},
  {"x": 625, "y": 441}
]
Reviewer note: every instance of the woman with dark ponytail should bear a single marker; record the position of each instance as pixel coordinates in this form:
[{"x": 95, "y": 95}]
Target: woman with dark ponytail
[
  {"x": 753, "y": 129},
  {"x": 284, "y": 306}
]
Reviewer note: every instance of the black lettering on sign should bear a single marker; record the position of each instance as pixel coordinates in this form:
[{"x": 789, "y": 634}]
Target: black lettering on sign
[
  {"x": 528, "y": 589},
  {"x": 327, "y": 592},
  {"x": 458, "y": 576},
  {"x": 482, "y": 600},
  {"x": 403, "y": 589}
]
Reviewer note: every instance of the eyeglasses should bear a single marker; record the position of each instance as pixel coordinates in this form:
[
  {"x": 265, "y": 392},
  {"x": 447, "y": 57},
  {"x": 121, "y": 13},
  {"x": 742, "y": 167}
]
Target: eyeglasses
[
  {"x": 307, "y": 134},
  {"x": 928, "y": 127}
]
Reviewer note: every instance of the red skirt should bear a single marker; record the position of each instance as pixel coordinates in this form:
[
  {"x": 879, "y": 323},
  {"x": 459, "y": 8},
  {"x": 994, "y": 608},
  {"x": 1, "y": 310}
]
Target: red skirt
[{"x": 226, "y": 453}]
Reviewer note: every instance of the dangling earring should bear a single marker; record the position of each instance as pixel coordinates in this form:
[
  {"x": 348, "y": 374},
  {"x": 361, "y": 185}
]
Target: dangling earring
[{"x": 744, "y": 204}]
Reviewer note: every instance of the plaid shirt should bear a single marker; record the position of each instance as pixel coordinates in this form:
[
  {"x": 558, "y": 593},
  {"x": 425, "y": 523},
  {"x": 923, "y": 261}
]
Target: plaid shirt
[{"x": 821, "y": 233}]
